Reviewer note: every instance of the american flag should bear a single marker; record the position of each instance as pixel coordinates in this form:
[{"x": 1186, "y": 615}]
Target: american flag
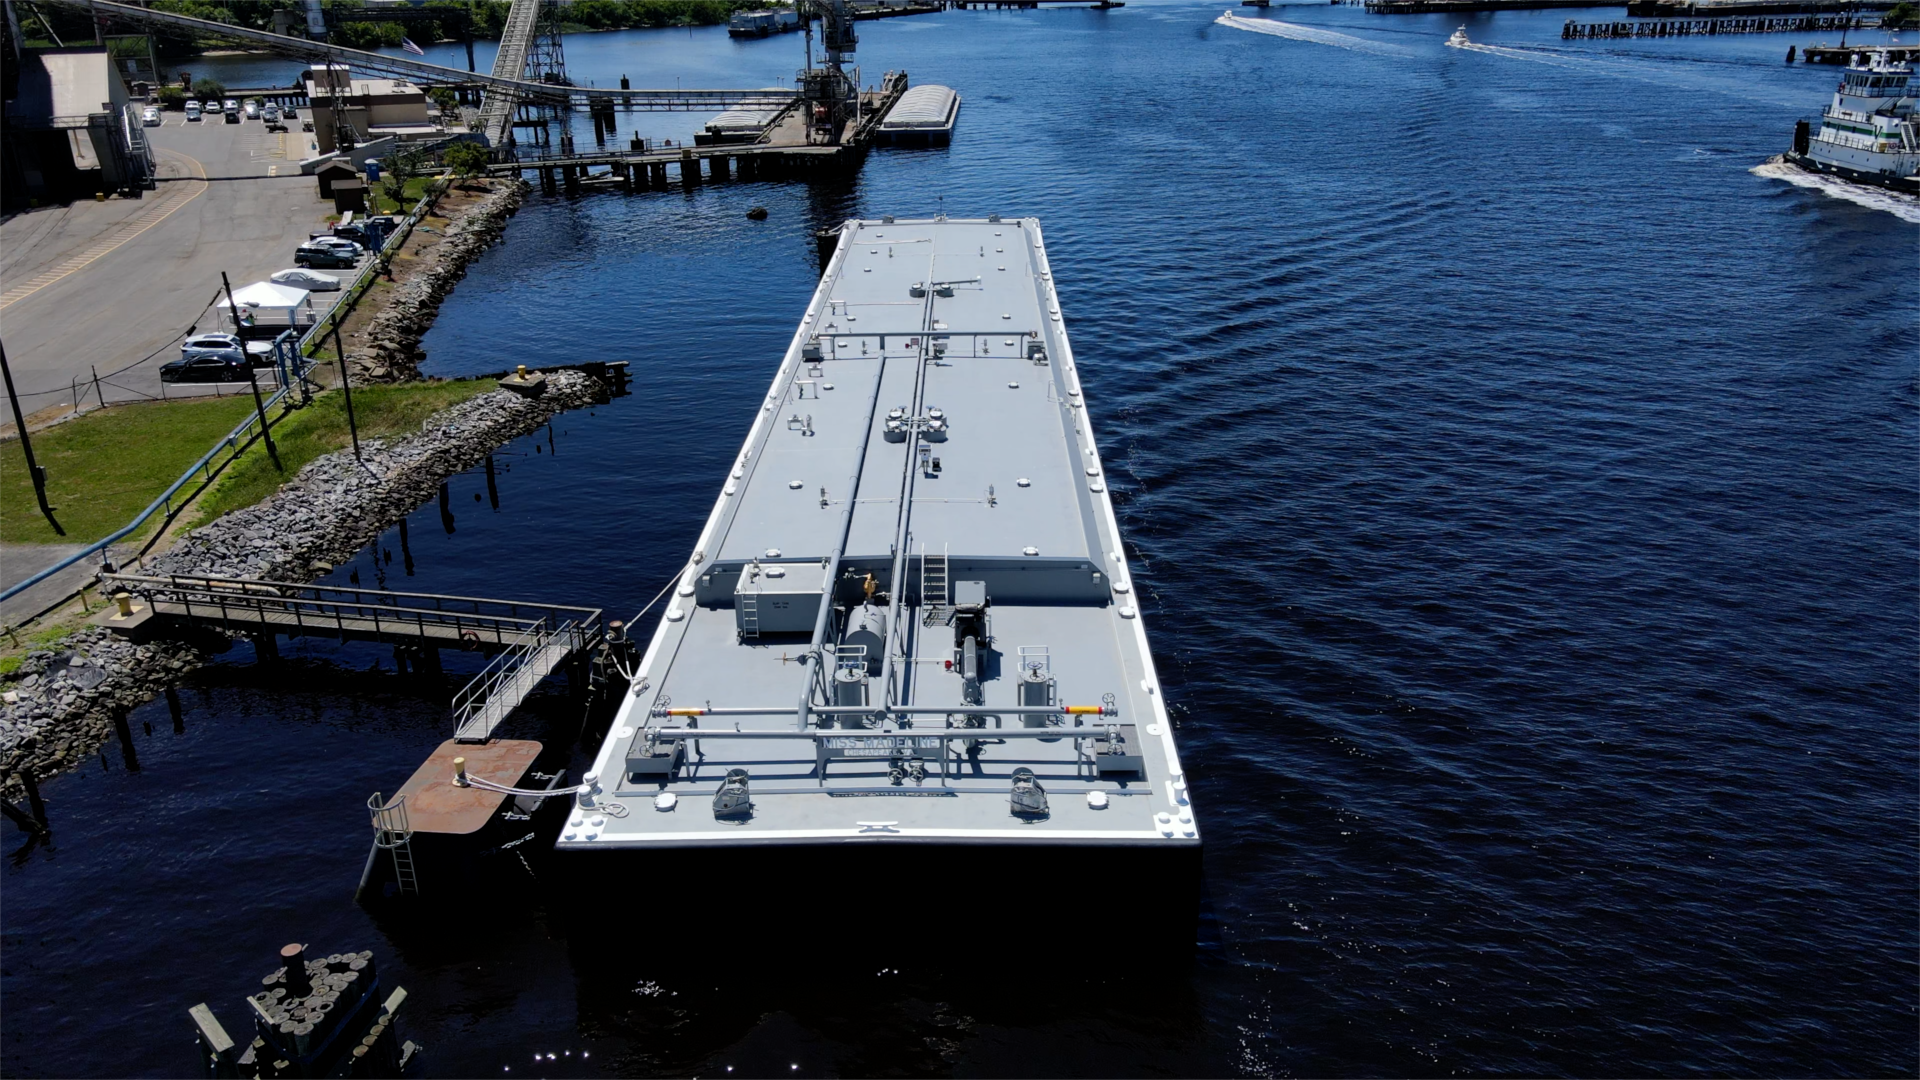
[{"x": 407, "y": 44}]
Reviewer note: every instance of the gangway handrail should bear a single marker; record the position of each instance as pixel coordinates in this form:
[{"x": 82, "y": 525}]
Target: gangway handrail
[{"x": 165, "y": 499}]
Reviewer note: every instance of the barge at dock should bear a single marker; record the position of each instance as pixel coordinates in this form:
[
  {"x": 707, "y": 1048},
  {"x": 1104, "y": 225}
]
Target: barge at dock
[{"x": 909, "y": 621}]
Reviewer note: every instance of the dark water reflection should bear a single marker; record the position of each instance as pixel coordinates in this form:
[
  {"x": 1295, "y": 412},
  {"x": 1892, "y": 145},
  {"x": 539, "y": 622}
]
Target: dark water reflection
[{"x": 1523, "y": 492}]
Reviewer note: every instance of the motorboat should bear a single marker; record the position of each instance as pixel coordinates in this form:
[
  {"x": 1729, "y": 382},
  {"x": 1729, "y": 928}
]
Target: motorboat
[{"x": 1459, "y": 39}]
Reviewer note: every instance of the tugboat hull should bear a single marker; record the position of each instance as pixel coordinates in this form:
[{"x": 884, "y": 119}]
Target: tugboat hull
[{"x": 1907, "y": 185}]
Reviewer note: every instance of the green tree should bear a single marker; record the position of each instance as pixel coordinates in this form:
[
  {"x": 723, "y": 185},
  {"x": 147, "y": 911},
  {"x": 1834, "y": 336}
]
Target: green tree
[
  {"x": 405, "y": 163},
  {"x": 447, "y": 101},
  {"x": 206, "y": 87},
  {"x": 466, "y": 159},
  {"x": 173, "y": 97}
]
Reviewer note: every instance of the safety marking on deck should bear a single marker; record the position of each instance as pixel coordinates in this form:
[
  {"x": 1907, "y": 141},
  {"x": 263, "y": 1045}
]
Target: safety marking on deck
[{"x": 112, "y": 239}]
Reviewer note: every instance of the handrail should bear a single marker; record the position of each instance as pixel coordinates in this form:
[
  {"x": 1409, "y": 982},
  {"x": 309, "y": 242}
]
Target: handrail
[
  {"x": 474, "y": 698},
  {"x": 165, "y": 499},
  {"x": 289, "y": 589}
]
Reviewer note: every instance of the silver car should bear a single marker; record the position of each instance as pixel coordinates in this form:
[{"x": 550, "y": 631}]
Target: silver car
[{"x": 225, "y": 345}]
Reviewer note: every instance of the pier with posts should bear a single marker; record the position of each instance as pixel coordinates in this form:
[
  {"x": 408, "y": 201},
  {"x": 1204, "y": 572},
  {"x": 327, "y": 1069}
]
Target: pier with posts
[{"x": 1660, "y": 28}]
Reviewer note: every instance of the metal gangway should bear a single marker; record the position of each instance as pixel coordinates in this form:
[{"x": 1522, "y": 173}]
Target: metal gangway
[
  {"x": 408, "y": 67},
  {"x": 516, "y": 41},
  {"x": 529, "y": 641}
]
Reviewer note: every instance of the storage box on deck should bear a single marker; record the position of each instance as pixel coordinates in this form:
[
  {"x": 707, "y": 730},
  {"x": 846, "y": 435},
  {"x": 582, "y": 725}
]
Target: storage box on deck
[{"x": 778, "y": 598}]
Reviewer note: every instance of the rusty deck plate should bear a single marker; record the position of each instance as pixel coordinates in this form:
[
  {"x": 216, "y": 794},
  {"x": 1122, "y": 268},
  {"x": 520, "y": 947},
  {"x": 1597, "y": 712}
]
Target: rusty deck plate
[{"x": 435, "y": 805}]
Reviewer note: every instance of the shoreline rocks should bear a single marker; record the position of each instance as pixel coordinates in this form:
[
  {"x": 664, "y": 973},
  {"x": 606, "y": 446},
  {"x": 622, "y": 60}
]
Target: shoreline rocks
[
  {"x": 60, "y": 708},
  {"x": 389, "y": 348}
]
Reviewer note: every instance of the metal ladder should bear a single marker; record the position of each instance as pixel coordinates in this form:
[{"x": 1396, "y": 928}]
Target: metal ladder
[
  {"x": 749, "y": 614},
  {"x": 933, "y": 585},
  {"x": 393, "y": 832}
]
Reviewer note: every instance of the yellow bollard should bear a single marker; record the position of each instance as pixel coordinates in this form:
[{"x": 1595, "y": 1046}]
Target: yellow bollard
[
  {"x": 460, "y": 772},
  {"x": 523, "y": 373},
  {"x": 124, "y": 600}
]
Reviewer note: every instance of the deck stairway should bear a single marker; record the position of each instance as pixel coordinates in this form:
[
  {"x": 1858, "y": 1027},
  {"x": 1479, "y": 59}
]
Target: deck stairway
[{"x": 935, "y": 600}]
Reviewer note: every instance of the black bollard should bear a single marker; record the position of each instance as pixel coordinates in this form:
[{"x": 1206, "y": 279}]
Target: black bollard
[{"x": 174, "y": 710}]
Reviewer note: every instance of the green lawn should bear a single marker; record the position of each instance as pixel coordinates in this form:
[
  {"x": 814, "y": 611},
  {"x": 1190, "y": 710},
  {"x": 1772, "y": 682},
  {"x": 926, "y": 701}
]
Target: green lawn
[
  {"x": 415, "y": 188},
  {"x": 321, "y": 428},
  {"x": 105, "y": 467}
]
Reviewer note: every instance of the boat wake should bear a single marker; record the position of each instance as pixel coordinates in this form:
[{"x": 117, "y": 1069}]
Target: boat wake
[
  {"x": 1297, "y": 32},
  {"x": 1640, "y": 71},
  {"x": 1904, "y": 207}
]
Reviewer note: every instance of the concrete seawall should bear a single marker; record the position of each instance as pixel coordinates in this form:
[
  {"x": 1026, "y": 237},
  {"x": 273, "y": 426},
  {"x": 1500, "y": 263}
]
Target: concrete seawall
[{"x": 64, "y": 704}]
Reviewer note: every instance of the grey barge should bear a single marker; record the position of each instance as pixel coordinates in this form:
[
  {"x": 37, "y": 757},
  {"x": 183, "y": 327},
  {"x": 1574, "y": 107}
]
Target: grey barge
[{"x": 909, "y": 620}]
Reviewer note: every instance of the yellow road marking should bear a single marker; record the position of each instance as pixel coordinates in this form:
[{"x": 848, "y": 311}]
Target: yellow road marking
[{"x": 109, "y": 242}]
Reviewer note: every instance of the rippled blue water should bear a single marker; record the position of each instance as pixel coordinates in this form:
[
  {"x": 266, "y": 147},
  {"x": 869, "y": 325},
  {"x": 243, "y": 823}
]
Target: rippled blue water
[{"x": 1523, "y": 488}]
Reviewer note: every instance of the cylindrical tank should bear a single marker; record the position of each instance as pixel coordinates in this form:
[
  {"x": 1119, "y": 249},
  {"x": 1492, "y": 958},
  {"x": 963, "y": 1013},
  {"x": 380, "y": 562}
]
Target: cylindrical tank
[
  {"x": 850, "y": 689},
  {"x": 1036, "y": 689},
  {"x": 867, "y": 626}
]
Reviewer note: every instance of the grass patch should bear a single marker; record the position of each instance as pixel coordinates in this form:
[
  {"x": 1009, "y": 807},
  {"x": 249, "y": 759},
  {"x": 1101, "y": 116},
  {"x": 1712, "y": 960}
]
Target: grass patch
[
  {"x": 15, "y": 655},
  {"x": 105, "y": 467},
  {"x": 415, "y": 189},
  {"x": 321, "y": 428}
]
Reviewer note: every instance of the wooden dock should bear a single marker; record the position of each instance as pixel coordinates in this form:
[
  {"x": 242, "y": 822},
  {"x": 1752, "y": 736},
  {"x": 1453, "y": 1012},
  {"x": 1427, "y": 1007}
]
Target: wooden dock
[
  {"x": 1774, "y": 24},
  {"x": 783, "y": 151},
  {"x": 526, "y": 642},
  {"x": 1825, "y": 54}
]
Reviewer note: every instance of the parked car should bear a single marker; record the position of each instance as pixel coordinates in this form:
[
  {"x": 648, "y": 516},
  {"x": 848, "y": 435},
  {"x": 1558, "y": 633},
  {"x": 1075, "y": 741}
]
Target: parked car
[
  {"x": 351, "y": 247},
  {"x": 213, "y": 367},
  {"x": 193, "y": 111},
  {"x": 252, "y": 109},
  {"x": 150, "y": 117},
  {"x": 270, "y": 113},
  {"x": 212, "y": 345},
  {"x": 288, "y": 113},
  {"x": 355, "y": 233},
  {"x": 233, "y": 118},
  {"x": 230, "y": 105},
  {"x": 305, "y": 279},
  {"x": 323, "y": 255},
  {"x": 210, "y": 106}
]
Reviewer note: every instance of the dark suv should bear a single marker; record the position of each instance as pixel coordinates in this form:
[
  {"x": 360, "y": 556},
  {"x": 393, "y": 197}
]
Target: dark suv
[{"x": 209, "y": 367}]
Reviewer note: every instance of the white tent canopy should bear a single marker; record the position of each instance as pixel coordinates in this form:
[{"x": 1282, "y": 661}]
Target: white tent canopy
[
  {"x": 265, "y": 303},
  {"x": 266, "y": 294}
]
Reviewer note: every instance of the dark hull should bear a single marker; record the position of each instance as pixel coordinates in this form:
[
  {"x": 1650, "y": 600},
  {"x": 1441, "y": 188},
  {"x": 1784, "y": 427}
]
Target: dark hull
[{"x": 1906, "y": 185}]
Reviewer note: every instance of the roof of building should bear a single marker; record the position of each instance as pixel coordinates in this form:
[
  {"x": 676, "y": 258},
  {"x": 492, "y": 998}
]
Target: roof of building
[{"x": 57, "y": 83}]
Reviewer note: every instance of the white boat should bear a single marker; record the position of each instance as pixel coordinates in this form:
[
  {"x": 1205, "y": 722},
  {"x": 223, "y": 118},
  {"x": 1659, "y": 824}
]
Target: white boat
[
  {"x": 1867, "y": 134},
  {"x": 1459, "y": 39}
]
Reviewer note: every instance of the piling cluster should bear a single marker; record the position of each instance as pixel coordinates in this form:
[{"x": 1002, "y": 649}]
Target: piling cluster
[
  {"x": 389, "y": 350},
  {"x": 61, "y": 709}
]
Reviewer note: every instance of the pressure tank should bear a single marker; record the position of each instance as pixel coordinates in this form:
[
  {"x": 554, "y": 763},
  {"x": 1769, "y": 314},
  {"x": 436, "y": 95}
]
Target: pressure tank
[{"x": 867, "y": 626}]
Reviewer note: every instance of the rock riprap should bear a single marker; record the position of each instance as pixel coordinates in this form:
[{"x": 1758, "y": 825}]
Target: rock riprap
[{"x": 59, "y": 708}]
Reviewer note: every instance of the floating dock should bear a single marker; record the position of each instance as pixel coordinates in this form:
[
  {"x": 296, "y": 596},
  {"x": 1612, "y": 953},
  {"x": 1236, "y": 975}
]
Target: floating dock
[{"x": 909, "y": 619}]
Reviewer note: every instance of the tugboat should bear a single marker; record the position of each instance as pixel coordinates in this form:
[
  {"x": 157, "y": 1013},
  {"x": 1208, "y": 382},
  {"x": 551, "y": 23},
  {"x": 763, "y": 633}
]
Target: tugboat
[
  {"x": 1867, "y": 135},
  {"x": 1459, "y": 39}
]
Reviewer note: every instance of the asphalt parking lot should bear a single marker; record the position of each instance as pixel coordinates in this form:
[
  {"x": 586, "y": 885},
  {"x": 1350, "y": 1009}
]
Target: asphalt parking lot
[{"x": 103, "y": 285}]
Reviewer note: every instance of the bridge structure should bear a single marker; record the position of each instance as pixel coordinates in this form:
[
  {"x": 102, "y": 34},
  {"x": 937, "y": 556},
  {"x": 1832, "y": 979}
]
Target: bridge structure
[
  {"x": 523, "y": 90},
  {"x": 526, "y": 642}
]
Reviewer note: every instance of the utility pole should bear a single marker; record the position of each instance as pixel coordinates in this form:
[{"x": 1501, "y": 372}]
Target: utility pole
[
  {"x": 26, "y": 444},
  {"x": 260, "y": 410},
  {"x": 346, "y": 388}
]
